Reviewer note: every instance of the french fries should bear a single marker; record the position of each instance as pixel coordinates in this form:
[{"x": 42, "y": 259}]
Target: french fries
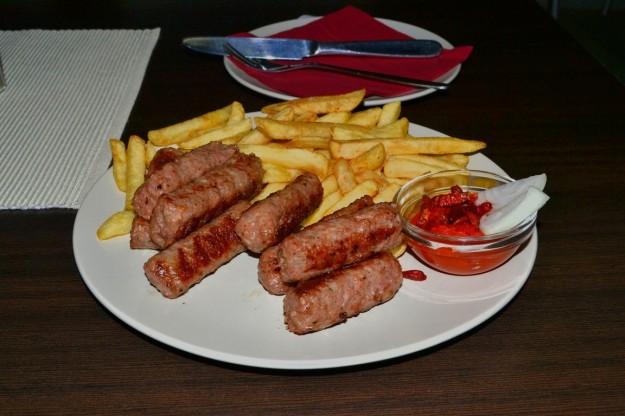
[
  {"x": 150, "y": 152},
  {"x": 325, "y": 153},
  {"x": 116, "y": 225},
  {"x": 437, "y": 161},
  {"x": 366, "y": 188},
  {"x": 390, "y": 113},
  {"x": 286, "y": 130},
  {"x": 306, "y": 116},
  {"x": 320, "y": 104},
  {"x": 354, "y": 153},
  {"x": 456, "y": 158},
  {"x": 329, "y": 185},
  {"x": 129, "y": 165},
  {"x": 269, "y": 189},
  {"x": 327, "y": 203},
  {"x": 118, "y": 151},
  {"x": 338, "y": 117},
  {"x": 366, "y": 118},
  {"x": 184, "y": 130},
  {"x": 286, "y": 114},
  {"x": 257, "y": 137},
  {"x": 234, "y": 139},
  {"x": 135, "y": 167},
  {"x": 237, "y": 113},
  {"x": 435, "y": 145},
  {"x": 373, "y": 175},
  {"x": 406, "y": 146},
  {"x": 399, "y": 250},
  {"x": 309, "y": 142},
  {"x": 395, "y": 129},
  {"x": 397, "y": 181},
  {"x": 275, "y": 173},
  {"x": 386, "y": 193},
  {"x": 370, "y": 160},
  {"x": 254, "y": 137},
  {"x": 218, "y": 134},
  {"x": 398, "y": 167},
  {"x": 302, "y": 159},
  {"x": 344, "y": 176}
]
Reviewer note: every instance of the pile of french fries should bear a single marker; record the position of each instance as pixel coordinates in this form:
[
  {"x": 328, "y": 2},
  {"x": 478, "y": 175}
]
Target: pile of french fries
[{"x": 354, "y": 153}]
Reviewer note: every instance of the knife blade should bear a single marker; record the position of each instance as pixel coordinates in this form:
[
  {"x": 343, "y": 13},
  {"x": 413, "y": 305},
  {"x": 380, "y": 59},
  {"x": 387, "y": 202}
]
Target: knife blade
[{"x": 295, "y": 49}]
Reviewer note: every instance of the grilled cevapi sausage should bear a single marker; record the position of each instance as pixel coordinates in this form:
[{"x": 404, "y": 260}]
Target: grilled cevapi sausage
[
  {"x": 328, "y": 300},
  {"x": 177, "y": 172},
  {"x": 269, "y": 272},
  {"x": 178, "y": 213},
  {"x": 140, "y": 234},
  {"x": 140, "y": 231},
  {"x": 161, "y": 158},
  {"x": 186, "y": 262},
  {"x": 268, "y": 221},
  {"x": 268, "y": 266},
  {"x": 332, "y": 244}
]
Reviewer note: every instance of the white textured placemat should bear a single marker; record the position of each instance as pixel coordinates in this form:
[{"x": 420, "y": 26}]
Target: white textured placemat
[{"x": 67, "y": 92}]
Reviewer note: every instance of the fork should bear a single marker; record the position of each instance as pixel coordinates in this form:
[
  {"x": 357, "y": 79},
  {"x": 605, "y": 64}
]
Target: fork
[{"x": 269, "y": 66}]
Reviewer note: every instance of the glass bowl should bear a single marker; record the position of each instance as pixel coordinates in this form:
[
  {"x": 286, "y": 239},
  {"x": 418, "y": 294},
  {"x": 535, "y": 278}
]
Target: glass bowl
[{"x": 458, "y": 255}]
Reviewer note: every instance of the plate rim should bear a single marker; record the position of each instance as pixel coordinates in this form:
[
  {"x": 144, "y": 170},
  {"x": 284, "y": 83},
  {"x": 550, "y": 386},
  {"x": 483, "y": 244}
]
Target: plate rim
[
  {"x": 275, "y": 27},
  {"x": 299, "y": 364}
]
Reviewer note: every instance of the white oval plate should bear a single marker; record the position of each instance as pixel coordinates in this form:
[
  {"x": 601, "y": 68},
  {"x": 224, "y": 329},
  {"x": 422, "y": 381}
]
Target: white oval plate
[
  {"x": 410, "y": 30},
  {"x": 229, "y": 317}
]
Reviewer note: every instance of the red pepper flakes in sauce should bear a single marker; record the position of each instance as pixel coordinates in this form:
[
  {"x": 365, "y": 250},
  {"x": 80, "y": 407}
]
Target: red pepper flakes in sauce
[{"x": 454, "y": 213}]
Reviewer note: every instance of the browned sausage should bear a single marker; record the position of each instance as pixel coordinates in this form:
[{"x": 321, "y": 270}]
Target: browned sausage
[
  {"x": 268, "y": 267},
  {"x": 174, "y": 270},
  {"x": 268, "y": 221},
  {"x": 161, "y": 158},
  {"x": 340, "y": 241},
  {"x": 328, "y": 300},
  {"x": 178, "y": 172},
  {"x": 269, "y": 272},
  {"x": 140, "y": 231},
  {"x": 357, "y": 205},
  {"x": 140, "y": 234},
  {"x": 178, "y": 213}
]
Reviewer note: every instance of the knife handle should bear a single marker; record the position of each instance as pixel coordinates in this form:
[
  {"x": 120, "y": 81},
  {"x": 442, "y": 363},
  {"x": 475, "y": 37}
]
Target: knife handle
[{"x": 422, "y": 48}]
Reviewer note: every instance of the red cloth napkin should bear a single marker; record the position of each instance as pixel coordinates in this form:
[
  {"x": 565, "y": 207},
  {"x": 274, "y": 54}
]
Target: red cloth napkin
[{"x": 348, "y": 24}]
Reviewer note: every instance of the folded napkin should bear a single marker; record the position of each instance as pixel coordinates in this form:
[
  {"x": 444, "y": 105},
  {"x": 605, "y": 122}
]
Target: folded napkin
[
  {"x": 351, "y": 24},
  {"x": 67, "y": 93}
]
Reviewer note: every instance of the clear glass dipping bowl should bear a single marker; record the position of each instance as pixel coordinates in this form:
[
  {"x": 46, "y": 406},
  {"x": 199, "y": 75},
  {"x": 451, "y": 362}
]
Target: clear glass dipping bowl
[{"x": 458, "y": 255}]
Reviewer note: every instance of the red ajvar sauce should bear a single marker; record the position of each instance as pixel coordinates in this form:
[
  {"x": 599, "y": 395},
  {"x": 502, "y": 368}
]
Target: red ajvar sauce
[
  {"x": 416, "y": 275},
  {"x": 455, "y": 214}
]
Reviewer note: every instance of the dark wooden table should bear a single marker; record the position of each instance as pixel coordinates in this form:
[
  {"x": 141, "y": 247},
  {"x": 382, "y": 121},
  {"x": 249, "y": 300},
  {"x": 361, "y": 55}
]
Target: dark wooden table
[{"x": 538, "y": 100}]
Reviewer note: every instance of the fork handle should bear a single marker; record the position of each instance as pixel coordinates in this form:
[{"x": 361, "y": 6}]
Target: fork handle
[{"x": 380, "y": 77}]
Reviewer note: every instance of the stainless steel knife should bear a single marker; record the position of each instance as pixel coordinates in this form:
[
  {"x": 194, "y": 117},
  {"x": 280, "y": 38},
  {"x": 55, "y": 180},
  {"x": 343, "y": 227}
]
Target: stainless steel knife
[{"x": 294, "y": 49}]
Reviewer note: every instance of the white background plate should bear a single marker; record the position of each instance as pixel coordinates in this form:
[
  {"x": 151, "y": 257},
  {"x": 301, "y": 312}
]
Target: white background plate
[
  {"x": 410, "y": 30},
  {"x": 229, "y": 317}
]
